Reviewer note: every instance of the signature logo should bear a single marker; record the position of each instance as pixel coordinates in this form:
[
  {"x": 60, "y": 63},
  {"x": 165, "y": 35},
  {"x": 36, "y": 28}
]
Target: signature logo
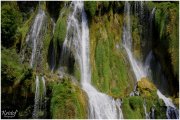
[{"x": 9, "y": 113}]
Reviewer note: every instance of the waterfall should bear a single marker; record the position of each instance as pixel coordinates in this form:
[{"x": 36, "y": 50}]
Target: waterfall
[
  {"x": 39, "y": 100},
  {"x": 101, "y": 106},
  {"x": 127, "y": 43},
  {"x": 35, "y": 34}
]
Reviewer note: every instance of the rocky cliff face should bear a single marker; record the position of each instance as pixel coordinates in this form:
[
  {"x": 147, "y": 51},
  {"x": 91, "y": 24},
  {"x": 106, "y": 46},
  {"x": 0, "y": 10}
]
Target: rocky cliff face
[{"x": 152, "y": 31}]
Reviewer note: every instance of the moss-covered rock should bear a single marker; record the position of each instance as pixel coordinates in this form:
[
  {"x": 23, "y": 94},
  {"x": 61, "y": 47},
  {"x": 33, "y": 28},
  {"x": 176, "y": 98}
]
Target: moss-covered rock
[
  {"x": 59, "y": 35},
  {"x": 132, "y": 108},
  {"x": 146, "y": 88},
  {"x": 68, "y": 101}
]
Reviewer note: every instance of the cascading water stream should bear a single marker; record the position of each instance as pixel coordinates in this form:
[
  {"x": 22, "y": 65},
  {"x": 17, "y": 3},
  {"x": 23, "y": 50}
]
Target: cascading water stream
[
  {"x": 138, "y": 69},
  {"x": 77, "y": 40},
  {"x": 171, "y": 112},
  {"x": 34, "y": 34}
]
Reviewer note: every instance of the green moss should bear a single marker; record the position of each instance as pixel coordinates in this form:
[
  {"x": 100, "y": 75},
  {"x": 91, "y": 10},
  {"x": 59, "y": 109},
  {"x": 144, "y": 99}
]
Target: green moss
[
  {"x": 68, "y": 101},
  {"x": 60, "y": 33},
  {"x": 60, "y": 30},
  {"x": 46, "y": 43},
  {"x": 147, "y": 89},
  {"x": 132, "y": 108},
  {"x": 110, "y": 70},
  {"x": 77, "y": 73},
  {"x": 11, "y": 67}
]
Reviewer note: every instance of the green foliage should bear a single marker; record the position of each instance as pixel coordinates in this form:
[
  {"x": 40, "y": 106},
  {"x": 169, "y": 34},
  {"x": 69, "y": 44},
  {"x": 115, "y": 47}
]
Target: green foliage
[
  {"x": 13, "y": 72},
  {"x": 68, "y": 101},
  {"x": 11, "y": 69},
  {"x": 90, "y": 8},
  {"x": 11, "y": 19}
]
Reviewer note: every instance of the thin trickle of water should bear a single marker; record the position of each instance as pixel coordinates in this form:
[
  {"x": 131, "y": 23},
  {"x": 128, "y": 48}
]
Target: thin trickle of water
[
  {"x": 36, "y": 99},
  {"x": 43, "y": 98},
  {"x": 34, "y": 34},
  {"x": 52, "y": 61},
  {"x": 145, "y": 111},
  {"x": 39, "y": 100},
  {"x": 142, "y": 10},
  {"x": 127, "y": 42},
  {"x": 152, "y": 14},
  {"x": 152, "y": 113},
  {"x": 77, "y": 40},
  {"x": 44, "y": 86},
  {"x": 54, "y": 25}
]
